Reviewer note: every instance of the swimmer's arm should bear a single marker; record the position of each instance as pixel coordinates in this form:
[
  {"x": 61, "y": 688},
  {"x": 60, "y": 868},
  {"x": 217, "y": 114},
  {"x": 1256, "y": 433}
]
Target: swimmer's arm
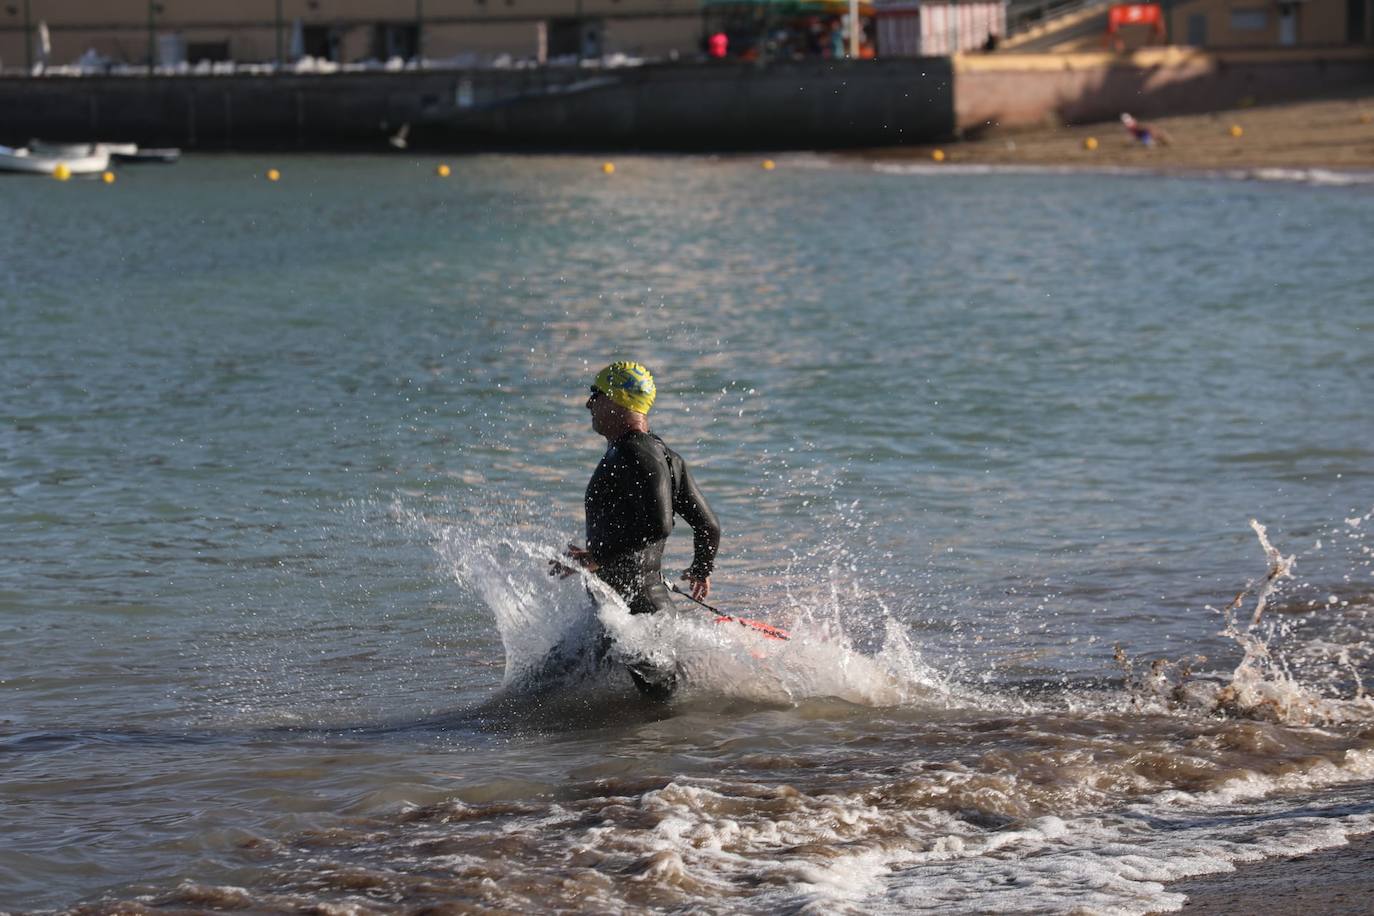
[
  {"x": 580, "y": 556},
  {"x": 692, "y": 506}
]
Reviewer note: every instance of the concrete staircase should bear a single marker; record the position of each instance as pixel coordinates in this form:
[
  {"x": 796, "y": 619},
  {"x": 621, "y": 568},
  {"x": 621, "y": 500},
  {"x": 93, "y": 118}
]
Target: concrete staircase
[{"x": 1056, "y": 25}]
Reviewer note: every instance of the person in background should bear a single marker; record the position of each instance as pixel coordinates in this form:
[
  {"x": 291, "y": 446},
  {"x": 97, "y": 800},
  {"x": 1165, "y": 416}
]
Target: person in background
[
  {"x": 1142, "y": 133},
  {"x": 837, "y": 51}
]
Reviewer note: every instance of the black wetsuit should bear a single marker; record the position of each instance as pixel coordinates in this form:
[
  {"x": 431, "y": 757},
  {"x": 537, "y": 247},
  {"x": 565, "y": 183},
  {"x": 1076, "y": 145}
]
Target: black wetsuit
[{"x": 631, "y": 499}]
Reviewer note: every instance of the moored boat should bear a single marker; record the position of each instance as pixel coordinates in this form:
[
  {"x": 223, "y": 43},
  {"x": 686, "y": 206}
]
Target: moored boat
[
  {"x": 134, "y": 154},
  {"x": 86, "y": 159}
]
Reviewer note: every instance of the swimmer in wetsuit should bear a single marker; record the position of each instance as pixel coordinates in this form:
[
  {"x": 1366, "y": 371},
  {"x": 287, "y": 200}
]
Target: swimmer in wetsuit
[{"x": 633, "y": 495}]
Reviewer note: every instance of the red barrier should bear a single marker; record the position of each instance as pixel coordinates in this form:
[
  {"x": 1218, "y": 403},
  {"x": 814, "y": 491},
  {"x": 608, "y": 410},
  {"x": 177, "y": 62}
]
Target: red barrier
[{"x": 1135, "y": 14}]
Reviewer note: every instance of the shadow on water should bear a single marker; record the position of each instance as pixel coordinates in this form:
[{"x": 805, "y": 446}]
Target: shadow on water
[
  {"x": 38, "y": 742},
  {"x": 562, "y": 697},
  {"x": 543, "y": 712},
  {"x": 505, "y": 715}
]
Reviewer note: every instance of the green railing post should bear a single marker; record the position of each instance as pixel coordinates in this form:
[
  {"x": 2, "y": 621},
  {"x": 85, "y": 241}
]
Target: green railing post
[
  {"x": 419, "y": 33},
  {"x": 28, "y": 40}
]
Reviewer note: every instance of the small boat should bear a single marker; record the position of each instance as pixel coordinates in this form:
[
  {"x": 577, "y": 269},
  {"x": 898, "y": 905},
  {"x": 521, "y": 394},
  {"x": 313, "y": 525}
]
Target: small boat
[
  {"x": 59, "y": 150},
  {"x": 134, "y": 154},
  {"x": 118, "y": 152},
  {"x": 83, "y": 159}
]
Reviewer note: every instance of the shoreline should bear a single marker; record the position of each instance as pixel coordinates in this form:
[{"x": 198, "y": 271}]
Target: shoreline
[
  {"x": 1338, "y": 880},
  {"x": 1333, "y": 134}
]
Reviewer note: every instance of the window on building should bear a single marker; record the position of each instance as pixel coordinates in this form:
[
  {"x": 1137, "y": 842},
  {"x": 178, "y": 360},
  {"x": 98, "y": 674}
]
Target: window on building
[
  {"x": 1249, "y": 19},
  {"x": 1197, "y": 30},
  {"x": 390, "y": 39},
  {"x": 1354, "y": 21},
  {"x": 580, "y": 37},
  {"x": 213, "y": 51},
  {"x": 564, "y": 37},
  {"x": 321, "y": 41},
  {"x": 1288, "y": 25}
]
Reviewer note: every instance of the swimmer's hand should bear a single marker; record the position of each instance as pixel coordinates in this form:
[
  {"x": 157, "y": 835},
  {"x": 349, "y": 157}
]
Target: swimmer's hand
[
  {"x": 700, "y": 588},
  {"x": 580, "y": 556}
]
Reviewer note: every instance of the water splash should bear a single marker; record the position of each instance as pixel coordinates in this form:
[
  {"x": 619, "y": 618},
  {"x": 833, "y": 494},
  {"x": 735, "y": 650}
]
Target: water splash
[
  {"x": 1263, "y": 684},
  {"x": 1280, "y": 567},
  {"x": 576, "y": 634},
  {"x": 549, "y": 628}
]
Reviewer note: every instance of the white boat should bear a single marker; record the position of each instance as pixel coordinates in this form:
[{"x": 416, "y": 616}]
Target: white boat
[
  {"x": 135, "y": 154},
  {"x": 85, "y": 159},
  {"x": 61, "y": 150},
  {"x": 119, "y": 152}
]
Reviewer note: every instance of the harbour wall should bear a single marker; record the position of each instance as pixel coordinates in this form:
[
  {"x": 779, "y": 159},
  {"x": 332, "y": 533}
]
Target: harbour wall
[
  {"x": 669, "y": 106},
  {"x": 680, "y": 106}
]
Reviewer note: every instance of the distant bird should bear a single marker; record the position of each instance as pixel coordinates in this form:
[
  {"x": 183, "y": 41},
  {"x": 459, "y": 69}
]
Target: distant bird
[{"x": 398, "y": 139}]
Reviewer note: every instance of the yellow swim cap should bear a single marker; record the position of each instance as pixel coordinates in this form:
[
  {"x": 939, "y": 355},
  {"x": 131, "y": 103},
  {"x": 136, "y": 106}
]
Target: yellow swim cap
[{"x": 628, "y": 384}]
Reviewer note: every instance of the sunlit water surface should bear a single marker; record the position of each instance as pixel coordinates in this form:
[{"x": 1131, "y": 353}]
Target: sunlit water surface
[{"x": 283, "y": 463}]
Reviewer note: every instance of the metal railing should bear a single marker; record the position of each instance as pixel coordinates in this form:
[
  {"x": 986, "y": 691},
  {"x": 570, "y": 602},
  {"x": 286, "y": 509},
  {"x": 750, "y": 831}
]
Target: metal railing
[{"x": 1024, "y": 15}]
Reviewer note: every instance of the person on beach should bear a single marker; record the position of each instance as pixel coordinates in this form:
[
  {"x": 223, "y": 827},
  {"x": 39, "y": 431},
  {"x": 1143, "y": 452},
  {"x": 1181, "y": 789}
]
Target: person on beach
[
  {"x": 1142, "y": 133},
  {"x": 637, "y": 488}
]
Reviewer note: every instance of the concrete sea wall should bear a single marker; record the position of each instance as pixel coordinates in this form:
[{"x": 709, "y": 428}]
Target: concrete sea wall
[
  {"x": 670, "y": 107},
  {"x": 659, "y": 107},
  {"x": 730, "y": 106}
]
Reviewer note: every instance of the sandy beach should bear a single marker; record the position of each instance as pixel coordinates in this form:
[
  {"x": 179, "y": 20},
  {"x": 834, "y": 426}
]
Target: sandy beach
[{"x": 1328, "y": 134}]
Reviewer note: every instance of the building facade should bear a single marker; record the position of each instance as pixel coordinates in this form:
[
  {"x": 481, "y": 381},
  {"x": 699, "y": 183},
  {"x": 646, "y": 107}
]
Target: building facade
[
  {"x": 912, "y": 28},
  {"x": 171, "y": 33},
  {"x": 464, "y": 32},
  {"x": 1271, "y": 23}
]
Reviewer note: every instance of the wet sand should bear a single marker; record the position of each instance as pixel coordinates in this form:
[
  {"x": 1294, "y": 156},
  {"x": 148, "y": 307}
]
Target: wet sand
[
  {"x": 1331, "y": 881},
  {"x": 1336, "y": 133}
]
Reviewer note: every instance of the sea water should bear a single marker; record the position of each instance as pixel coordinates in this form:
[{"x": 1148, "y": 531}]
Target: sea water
[{"x": 1062, "y": 484}]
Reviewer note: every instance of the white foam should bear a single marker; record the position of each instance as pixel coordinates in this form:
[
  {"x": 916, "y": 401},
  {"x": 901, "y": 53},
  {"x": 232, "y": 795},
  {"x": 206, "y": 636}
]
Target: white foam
[
  {"x": 1308, "y": 176},
  {"x": 988, "y": 168},
  {"x": 900, "y": 858},
  {"x": 1321, "y": 177}
]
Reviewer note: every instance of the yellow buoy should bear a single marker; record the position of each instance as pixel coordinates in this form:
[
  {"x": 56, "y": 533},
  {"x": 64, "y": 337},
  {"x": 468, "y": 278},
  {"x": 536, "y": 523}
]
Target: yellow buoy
[
  {"x": 107, "y": 177},
  {"x": 62, "y": 172},
  {"x": 1236, "y": 130},
  {"x": 938, "y": 155},
  {"x": 769, "y": 165},
  {"x": 443, "y": 171},
  {"x": 1090, "y": 144},
  {"x": 273, "y": 175},
  {"x": 608, "y": 168},
  {"x": 1367, "y": 118}
]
